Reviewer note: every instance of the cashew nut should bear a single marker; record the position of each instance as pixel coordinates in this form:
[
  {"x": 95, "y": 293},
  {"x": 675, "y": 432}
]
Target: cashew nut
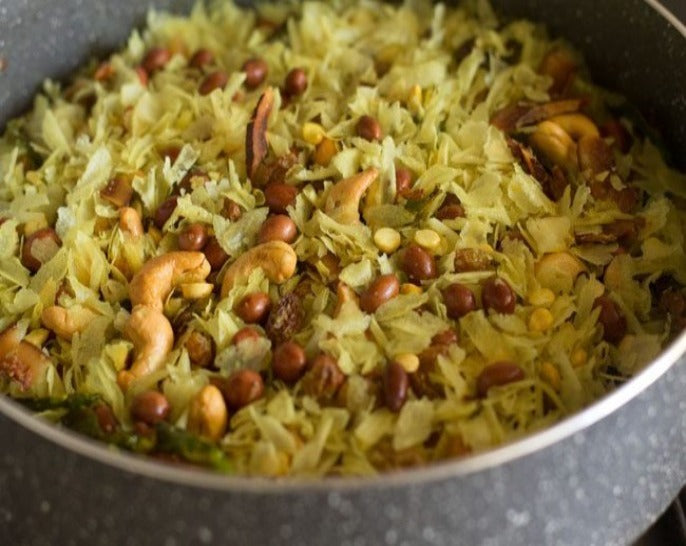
[
  {"x": 558, "y": 270},
  {"x": 130, "y": 222},
  {"x": 557, "y": 138},
  {"x": 21, "y": 361},
  {"x": 343, "y": 201},
  {"x": 576, "y": 125},
  {"x": 152, "y": 337},
  {"x": 207, "y": 413},
  {"x": 158, "y": 277},
  {"x": 276, "y": 258},
  {"x": 554, "y": 142},
  {"x": 147, "y": 328},
  {"x": 67, "y": 322}
]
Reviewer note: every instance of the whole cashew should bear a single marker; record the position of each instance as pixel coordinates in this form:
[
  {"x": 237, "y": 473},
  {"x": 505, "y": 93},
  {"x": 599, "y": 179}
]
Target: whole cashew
[
  {"x": 343, "y": 201},
  {"x": 147, "y": 328},
  {"x": 130, "y": 222},
  {"x": 67, "y": 322},
  {"x": 576, "y": 125},
  {"x": 152, "y": 337},
  {"x": 276, "y": 258},
  {"x": 158, "y": 277},
  {"x": 557, "y": 138},
  {"x": 207, "y": 413},
  {"x": 21, "y": 361},
  {"x": 554, "y": 142}
]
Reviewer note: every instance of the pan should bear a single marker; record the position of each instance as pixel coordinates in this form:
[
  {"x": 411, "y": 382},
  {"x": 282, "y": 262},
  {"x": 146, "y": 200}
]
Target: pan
[{"x": 600, "y": 477}]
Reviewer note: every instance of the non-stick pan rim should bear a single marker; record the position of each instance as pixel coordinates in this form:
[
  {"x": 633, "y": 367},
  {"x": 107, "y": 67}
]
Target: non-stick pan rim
[{"x": 420, "y": 476}]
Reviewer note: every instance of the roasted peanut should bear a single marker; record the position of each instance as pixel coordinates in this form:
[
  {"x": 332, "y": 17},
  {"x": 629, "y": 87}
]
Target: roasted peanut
[
  {"x": 231, "y": 210},
  {"x": 245, "y": 334},
  {"x": 278, "y": 197},
  {"x": 296, "y": 82},
  {"x": 155, "y": 59},
  {"x": 368, "y": 128},
  {"x": 323, "y": 378},
  {"x": 164, "y": 211},
  {"x": 39, "y": 248},
  {"x": 255, "y": 72},
  {"x": 278, "y": 227},
  {"x": 418, "y": 264},
  {"x": 200, "y": 349},
  {"x": 215, "y": 80},
  {"x": 423, "y": 381},
  {"x": 343, "y": 201},
  {"x": 395, "y": 384},
  {"x": 497, "y": 374},
  {"x": 612, "y": 319},
  {"x": 254, "y": 307},
  {"x": 193, "y": 179},
  {"x": 450, "y": 212},
  {"x": 446, "y": 337},
  {"x": 150, "y": 407},
  {"x": 496, "y": 294},
  {"x": 201, "y": 58},
  {"x": 289, "y": 362},
  {"x": 106, "y": 419},
  {"x": 276, "y": 258},
  {"x": 193, "y": 237},
  {"x": 403, "y": 182},
  {"x": 242, "y": 387},
  {"x": 383, "y": 289},
  {"x": 215, "y": 254},
  {"x": 459, "y": 300},
  {"x": 207, "y": 413}
]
